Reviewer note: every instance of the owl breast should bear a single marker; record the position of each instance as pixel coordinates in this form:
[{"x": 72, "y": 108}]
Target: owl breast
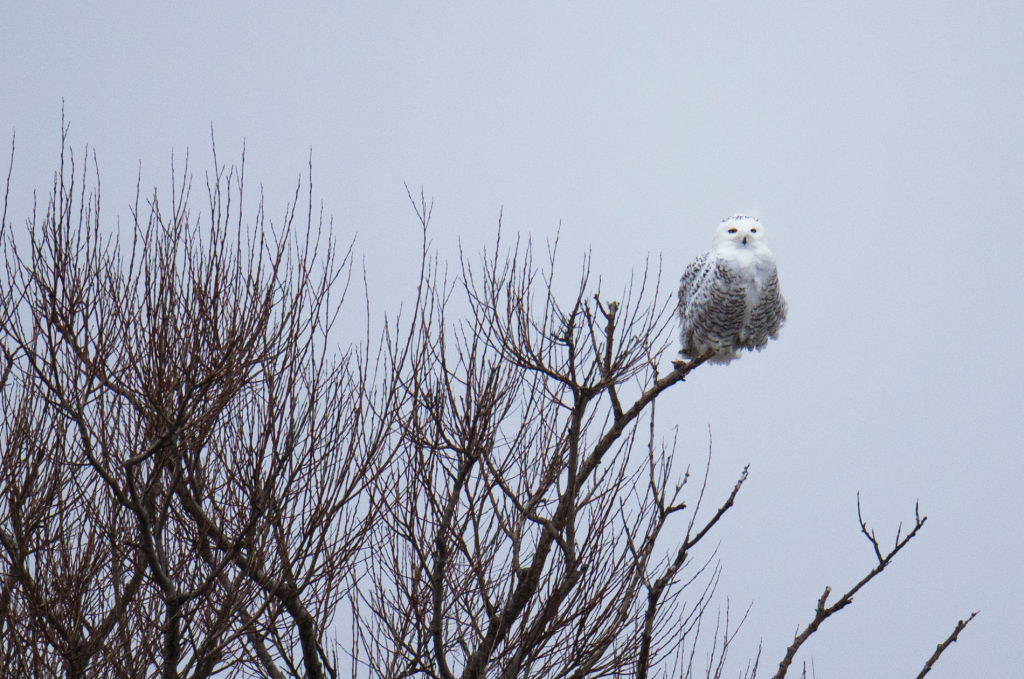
[{"x": 752, "y": 271}]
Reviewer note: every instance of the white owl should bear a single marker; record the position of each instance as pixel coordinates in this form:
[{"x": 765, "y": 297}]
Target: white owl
[{"x": 729, "y": 297}]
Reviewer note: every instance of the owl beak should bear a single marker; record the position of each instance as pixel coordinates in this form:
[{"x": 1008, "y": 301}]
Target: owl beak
[{"x": 744, "y": 240}]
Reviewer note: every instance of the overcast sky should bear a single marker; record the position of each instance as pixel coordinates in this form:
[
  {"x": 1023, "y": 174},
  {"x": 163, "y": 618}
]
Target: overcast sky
[{"x": 882, "y": 147}]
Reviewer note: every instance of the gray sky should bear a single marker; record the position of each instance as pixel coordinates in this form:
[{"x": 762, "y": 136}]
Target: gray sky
[{"x": 882, "y": 147}]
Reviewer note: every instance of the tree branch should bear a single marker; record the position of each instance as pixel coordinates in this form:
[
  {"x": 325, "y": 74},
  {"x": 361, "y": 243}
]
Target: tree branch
[
  {"x": 823, "y": 612},
  {"x": 960, "y": 625}
]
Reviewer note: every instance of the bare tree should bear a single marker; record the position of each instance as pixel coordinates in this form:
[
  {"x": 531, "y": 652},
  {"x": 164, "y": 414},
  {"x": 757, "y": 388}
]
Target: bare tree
[
  {"x": 195, "y": 480},
  {"x": 189, "y": 466},
  {"x": 528, "y": 535},
  {"x": 518, "y": 543}
]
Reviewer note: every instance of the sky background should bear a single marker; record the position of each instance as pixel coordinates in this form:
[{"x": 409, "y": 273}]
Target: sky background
[{"x": 881, "y": 146}]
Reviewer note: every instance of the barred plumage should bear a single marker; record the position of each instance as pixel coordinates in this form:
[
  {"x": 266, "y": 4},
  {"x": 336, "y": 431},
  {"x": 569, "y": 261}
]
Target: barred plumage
[{"x": 729, "y": 297}]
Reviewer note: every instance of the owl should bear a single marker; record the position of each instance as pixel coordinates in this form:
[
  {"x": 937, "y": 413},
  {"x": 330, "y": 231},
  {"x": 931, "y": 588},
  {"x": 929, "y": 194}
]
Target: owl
[{"x": 729, "y": 297}]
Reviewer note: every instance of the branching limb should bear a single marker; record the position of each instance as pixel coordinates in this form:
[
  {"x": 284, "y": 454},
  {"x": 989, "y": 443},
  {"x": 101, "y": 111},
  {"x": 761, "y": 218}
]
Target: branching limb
[
  {"x": 655, "y": 591},
  {"x": 822, "y": 611}
]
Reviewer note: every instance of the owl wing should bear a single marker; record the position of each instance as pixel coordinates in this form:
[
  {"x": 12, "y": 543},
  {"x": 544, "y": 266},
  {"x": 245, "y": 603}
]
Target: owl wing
[
  {"x": 711, "y": 308},
  {"x": 691, "y": 281},
  {"x": 768, "y": 316}
]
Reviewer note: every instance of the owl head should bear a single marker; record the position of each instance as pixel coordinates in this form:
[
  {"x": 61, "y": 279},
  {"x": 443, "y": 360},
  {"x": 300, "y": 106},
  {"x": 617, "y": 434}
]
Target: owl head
[{"x": 739, "y": 232}]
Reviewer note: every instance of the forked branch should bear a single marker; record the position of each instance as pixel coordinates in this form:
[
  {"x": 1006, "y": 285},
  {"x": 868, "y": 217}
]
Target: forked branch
[
  {"x": 655, "y": 591},
  {"x": 823, "y": 611}
]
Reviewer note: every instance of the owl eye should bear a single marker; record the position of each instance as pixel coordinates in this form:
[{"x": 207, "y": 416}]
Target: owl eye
[
  {"x": 753, "y": 231},
  {"x": 732, "y": 230}
]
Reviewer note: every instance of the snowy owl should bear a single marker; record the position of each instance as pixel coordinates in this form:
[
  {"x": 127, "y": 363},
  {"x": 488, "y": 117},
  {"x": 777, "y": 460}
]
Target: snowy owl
[{"x": 729, "y": 297}]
